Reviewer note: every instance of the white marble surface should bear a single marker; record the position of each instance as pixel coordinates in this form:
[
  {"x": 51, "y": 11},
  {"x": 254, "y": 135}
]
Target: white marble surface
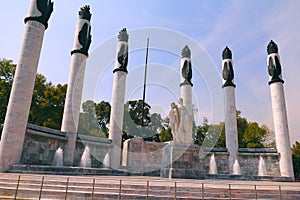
[
  {"x": 20, "y": 99},
  {"x": 281, "y": 129},
  {"x": 73, "y": 104},
  {"x": 231, "y": 132}
]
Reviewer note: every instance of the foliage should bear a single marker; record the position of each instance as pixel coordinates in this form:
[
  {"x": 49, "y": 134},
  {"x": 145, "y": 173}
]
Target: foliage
[
  {"x": 88, "y": 120},
  {"x": 47, "y": 104},
  {"x": 166, "y": 135},
  {"x": 7, "y": 71},
  {"x": 139, "y": 123},
  {"x": 103, "y": 116},
  {"x": 47, "y": 100},
  {"x": 296, "y": 160},
  {"x": 250, "y": 134}
]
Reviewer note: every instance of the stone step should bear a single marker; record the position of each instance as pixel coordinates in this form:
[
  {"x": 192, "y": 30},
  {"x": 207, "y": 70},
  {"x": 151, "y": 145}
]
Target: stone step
[{"x": 54, "y": 187}]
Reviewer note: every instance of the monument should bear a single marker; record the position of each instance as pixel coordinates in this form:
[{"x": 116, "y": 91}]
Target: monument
[
  {"x": 181, "y": 158},
  {"x": 279, "y": 111},
  {"x": 185, "y": 102},
  {"x": 79, "y": 55},
  {"x": 15, "y": 123},
  {"x": 118, "y": 98},
  {"x": 231, "y": 132}
]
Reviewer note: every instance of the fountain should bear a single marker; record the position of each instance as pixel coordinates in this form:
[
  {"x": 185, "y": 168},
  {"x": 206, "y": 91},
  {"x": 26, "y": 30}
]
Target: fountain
[
  {"x": 262, "y": 171},
  {"x": 213, "y": 165},
  {"x": 85, "y": 158},
  {"x": 58, "y": 158},
  {"x": 236, "y": 168}
]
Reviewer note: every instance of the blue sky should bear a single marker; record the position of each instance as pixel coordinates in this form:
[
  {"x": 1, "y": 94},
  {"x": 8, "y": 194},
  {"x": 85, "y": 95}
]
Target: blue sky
[{"x": 245, "y": 26}]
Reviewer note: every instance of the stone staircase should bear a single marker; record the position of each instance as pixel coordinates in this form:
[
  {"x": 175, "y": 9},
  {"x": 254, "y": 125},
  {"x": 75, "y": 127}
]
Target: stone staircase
[{"x": 29, "y": 187}]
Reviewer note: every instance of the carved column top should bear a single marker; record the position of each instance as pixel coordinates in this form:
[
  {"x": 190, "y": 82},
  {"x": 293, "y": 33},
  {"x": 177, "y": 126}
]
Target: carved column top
[
  {"x": 272, "y": 47},
  {"x": 44, "y": 7},
  {"x": 226, "y": 53},
  {"x": 186, "y": 52},
  {"x": 123, "y": 35},
  {"x": 85, "y": 13}
]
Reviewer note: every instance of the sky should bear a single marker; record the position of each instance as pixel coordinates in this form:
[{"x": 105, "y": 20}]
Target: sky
[{"x": 207, "y": 26}]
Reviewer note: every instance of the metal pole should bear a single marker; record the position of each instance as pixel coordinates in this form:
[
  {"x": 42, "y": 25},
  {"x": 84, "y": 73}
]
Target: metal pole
[
  {"x": 93, "y": 189},
  {"x": 175, "y": 191},
  {"x": 145, "y": 80},
  {"x": 202, "y": 191},
  {"x": 229, "y": 191},
  {"x": 255, "y": 192},
  {"x": 147, "y": 191},
  {"x": 17, "y": 187},
  {"x": 280, "y": 193},
  {"x": 67, "y": 187},
  {"x": 120, "y": 188},
  {"x": 41, "y": 189}
]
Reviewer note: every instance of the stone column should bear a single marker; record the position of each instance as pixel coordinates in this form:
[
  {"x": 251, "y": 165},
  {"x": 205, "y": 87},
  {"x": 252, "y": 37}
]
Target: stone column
[
  {"x": 13, "y": 134},
  {"x": 279, "y": 111},
  {"x": 186, "y": 93},
  {"x": 118, "y": 97},
  {"x": 79, "y": 55},
  {"x": 231, "y": 132}
]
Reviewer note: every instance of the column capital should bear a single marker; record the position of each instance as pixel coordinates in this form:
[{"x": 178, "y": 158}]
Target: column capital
[{"x": 45, "y": 7}]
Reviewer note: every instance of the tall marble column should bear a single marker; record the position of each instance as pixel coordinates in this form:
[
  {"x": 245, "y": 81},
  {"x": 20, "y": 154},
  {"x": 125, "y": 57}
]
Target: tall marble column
[
  {"x": 13, "y": 134},
  {"x": 79, "y": 55},
  {"x": 118, "y": 97},
  {"x": 186, "y": 94},
  {"x": 231, "y": 132},
  {"x": 279, "y": 111}
]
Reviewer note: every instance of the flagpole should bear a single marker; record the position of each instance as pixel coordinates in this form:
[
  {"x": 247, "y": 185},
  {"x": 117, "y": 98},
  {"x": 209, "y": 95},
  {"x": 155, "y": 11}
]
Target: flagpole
[{"x": 145, "y": 78}]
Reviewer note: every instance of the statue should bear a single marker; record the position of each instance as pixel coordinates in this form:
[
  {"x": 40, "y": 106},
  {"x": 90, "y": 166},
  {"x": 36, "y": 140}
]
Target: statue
[
  {"x": 174, "y": 120},
  {"x": 186, "y": 71},
  {"x": 180, "y": 122},
  {"x": 123, "y": 52},
  {"x": 84, "y": 35},
  {"x": 85, "y": 38},
  {"x": 274, "y": 66},
  {"x": 228, "y": 73},
  {"x": 45, "y": 7}
]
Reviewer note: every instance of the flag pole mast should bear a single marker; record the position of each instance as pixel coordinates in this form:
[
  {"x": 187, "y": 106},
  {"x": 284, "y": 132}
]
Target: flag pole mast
[{"x": 145, "y": 78}]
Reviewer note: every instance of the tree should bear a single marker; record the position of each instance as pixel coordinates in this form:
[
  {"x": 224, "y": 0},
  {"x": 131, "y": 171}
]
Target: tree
[
  {"x": 88, "y": 120},
  {"x": 253, "y": 135},
  {"x": 165, "y": 135},
  {"x": 296, "y": 159},
  {"x": 7, "y": 71},
  {"x": 47, "y": 103},
  {"x": 103, "y": 115}
]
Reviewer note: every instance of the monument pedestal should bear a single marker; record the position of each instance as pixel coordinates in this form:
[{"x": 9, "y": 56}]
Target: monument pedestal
[{"x": 182, "y": 161}]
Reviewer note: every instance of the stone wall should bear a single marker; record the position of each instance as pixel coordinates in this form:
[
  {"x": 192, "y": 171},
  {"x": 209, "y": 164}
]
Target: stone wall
[
  {"x": 151, "y": 154},
  {"x": 41, "y": 144}
]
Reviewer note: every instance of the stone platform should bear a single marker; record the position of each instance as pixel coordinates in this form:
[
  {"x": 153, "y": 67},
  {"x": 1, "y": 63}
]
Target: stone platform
[{"x": 182, "y": 161}]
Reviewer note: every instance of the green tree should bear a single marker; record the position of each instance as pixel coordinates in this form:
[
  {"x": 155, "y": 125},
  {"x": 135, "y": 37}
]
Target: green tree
[
  {"x": 7, "y": 71},
  {"x": 253, "y": 135},
  {"x": 165, "y": 135},
  {"x": 47, "y": 103},
  {"x": 103, "y": 115},
  {"x": 296, "y": 159},
  {"x": 88, "y": 120}
]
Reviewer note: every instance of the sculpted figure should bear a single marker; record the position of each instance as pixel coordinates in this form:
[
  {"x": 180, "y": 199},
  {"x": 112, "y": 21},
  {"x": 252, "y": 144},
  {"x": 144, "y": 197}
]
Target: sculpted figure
[{"x": 174, "y": 120}]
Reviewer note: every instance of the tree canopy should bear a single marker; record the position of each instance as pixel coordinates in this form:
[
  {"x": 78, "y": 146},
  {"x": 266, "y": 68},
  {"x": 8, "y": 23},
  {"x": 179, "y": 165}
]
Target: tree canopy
[{"x": 47, "y": 99}]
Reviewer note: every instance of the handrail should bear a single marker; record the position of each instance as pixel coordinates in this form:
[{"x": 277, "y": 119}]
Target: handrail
[{"x": 177, "y": 188}]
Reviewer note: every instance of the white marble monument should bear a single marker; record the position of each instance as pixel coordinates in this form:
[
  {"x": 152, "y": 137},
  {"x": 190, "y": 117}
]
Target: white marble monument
[
  {"x": 79, "y": 55},
  {"x": 15, "y": 123},
  {"x": 231, "y": 132},
  {"x": 118, "y": 98},
  {"x": 279, "y": 111},
  {"x": 185, "y": 102}
]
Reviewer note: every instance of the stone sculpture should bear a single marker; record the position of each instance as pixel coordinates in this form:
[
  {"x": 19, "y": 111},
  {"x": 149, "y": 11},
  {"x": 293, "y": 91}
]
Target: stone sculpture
[{"x": 180, "y": 121}]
